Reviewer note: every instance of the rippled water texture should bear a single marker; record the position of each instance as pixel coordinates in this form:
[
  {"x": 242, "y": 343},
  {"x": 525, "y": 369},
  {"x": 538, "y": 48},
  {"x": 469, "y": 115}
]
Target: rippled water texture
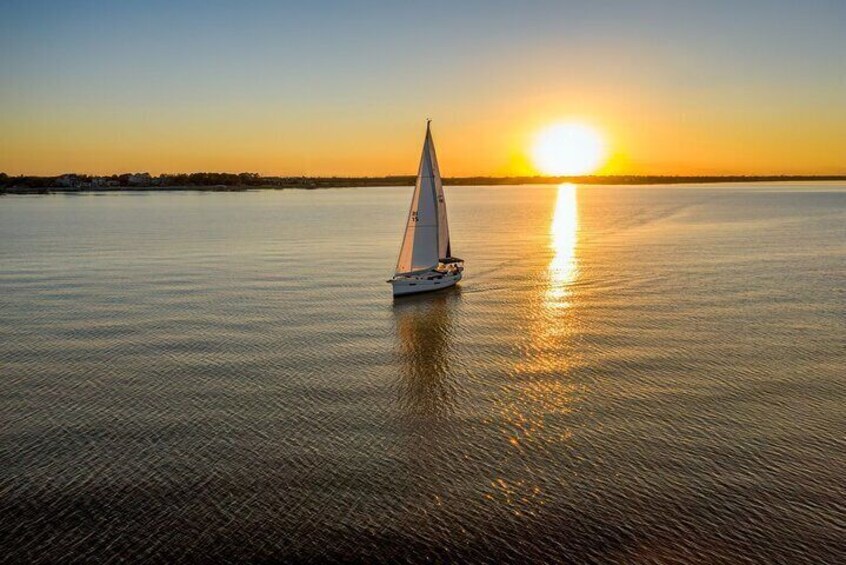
[{"x": 626, "y": 373}]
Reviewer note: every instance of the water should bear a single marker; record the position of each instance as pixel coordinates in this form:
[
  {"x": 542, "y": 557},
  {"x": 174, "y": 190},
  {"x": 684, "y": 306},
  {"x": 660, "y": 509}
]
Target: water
[{"x": 626, "y": 373}]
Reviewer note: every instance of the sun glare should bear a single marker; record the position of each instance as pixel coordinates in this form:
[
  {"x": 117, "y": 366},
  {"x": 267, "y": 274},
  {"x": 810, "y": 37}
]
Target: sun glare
[{"x": 568, "y": 149}]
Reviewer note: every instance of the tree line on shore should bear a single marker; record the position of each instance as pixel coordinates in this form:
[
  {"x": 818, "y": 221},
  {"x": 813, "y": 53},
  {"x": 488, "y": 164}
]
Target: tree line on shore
[
  {"x": 72, "y": 180},
  {"x": 223, "y": 181}
]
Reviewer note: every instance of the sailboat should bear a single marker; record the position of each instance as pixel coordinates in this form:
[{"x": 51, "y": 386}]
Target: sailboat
[{"x": 425, "y": 260}]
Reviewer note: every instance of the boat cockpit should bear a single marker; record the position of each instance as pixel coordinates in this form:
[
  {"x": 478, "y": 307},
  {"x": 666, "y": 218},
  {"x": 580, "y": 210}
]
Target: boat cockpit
[{"x": 449, "y": 266}]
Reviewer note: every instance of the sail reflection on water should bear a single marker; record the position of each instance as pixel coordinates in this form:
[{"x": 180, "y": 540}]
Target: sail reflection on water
[{"x": 424, "y": 331}]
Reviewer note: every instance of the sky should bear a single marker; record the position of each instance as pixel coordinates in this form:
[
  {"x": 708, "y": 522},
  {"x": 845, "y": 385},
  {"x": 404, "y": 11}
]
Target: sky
[{"x": 344, "y": 88}]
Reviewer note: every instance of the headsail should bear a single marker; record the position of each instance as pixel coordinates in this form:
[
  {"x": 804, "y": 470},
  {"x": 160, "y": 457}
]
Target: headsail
[{"x": 426, "y": 237}]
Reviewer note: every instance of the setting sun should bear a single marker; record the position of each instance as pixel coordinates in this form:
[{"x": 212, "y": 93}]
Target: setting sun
[{"x": 568, "y": 149}]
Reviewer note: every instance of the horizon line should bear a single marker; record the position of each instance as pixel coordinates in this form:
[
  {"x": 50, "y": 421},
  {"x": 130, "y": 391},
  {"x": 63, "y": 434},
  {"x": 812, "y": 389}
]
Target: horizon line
[
  {"x": 71, "y": 182},
  {"x": 561, "y": 178}
]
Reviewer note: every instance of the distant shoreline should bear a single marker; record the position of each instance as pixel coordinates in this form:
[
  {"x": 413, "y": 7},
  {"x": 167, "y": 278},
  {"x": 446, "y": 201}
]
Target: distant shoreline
[{"x": 204, "y": 182}]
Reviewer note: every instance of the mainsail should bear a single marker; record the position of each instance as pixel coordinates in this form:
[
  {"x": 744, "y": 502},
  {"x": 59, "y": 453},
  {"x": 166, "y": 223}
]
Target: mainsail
[{"x": 426, "y": 239}]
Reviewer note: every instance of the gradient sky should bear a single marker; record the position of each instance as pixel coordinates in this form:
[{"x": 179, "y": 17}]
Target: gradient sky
[{"x": 322, "y": 88}]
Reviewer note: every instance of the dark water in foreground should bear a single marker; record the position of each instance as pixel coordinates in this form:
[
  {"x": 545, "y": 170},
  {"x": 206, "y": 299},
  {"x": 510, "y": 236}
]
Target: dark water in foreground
[{"x": 640, "y": 374}]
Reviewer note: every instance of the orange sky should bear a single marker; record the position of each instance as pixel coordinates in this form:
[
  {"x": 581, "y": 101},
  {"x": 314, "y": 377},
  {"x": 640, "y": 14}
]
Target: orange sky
[{"x": 701, "y": 90}]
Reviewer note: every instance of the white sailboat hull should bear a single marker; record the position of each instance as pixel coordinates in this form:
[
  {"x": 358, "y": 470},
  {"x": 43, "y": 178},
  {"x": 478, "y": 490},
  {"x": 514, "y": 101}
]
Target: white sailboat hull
[{"x": 404, "y": 286}]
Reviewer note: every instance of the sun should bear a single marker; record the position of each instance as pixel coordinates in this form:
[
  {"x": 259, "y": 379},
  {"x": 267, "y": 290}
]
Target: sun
[{"x": 568, "y": 148}]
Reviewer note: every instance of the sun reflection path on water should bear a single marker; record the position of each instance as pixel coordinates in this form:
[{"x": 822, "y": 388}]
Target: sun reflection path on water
[
  {"x": 542, "y": 391},
  {"x": 534, "y": 404},
  {"x": 564, "y": 231},
  {"x": 552, "y": 324}
]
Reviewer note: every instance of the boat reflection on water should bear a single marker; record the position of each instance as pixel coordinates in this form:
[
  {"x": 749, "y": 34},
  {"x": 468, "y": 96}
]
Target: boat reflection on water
[
  {"x": 424, "y": 331},
  {"x": 427, "y": 396}
]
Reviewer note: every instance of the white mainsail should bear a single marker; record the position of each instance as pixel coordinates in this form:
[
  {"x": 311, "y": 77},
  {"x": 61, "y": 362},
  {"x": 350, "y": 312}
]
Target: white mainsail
[{"x": 426, "y": 239}]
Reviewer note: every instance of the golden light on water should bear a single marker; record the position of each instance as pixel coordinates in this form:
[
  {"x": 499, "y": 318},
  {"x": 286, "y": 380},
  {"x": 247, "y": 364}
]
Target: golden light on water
[
  {"x": 542, "y": 387},
  {"x": 563, "y": 238},
  {"x": 568, "y": 148},
  {"x": 551, "y": 320}
]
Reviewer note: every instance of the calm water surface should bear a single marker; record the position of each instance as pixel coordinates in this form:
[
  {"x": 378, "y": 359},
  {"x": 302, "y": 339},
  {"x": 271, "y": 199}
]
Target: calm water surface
[{"x": 626, "y": 373}]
